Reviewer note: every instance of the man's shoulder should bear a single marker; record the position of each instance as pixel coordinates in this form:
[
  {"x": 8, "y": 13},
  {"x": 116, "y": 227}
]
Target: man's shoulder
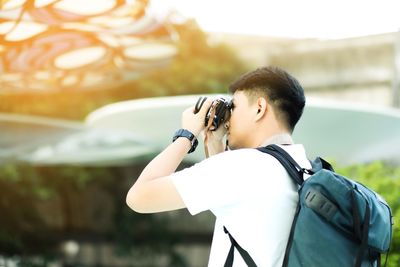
[
  {"x": 239, "y": 153},
  {"x": 251, "y": 156},
  {"x": 298, "y": 153},
  {"x": 242, "y": 156},
  {"x": 291, "y": 149}
]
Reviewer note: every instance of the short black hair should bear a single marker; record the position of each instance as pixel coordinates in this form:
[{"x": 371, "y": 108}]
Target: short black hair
[{"x": 284, "y": 92}]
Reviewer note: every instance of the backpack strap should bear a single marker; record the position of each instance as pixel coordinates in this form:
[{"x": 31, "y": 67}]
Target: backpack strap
[
  {"x": 292, "y": 167},
  {"x": 245, "y": 255},
  {"x": 361, "y": 230}
]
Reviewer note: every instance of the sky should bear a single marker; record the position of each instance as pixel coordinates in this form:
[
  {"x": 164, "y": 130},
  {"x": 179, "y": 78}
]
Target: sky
[{"x": 290, "y": 18}]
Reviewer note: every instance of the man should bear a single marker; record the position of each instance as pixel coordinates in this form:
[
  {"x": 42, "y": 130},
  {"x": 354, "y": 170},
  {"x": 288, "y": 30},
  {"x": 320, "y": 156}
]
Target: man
[{"x": 248, "y": 191}]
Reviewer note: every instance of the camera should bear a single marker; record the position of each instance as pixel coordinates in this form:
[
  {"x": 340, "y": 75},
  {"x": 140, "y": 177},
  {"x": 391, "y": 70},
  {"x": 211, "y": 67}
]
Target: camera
[{"x": 218, "y": 113}]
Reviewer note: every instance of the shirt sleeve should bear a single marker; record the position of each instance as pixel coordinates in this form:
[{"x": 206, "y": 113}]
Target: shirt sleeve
[{"x": 210, "y": 184}]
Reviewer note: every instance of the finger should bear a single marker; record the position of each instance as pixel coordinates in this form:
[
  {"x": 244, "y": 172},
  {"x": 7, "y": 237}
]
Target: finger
[
  {"x": 206, "y": 106},
  {"x": 199, "y": 104}
]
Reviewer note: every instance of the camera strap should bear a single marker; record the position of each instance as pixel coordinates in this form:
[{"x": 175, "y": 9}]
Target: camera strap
[{"x": 208, "y": 126}]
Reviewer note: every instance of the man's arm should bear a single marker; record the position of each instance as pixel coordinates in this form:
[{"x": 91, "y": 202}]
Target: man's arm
[{"x": 154, "y": 190}]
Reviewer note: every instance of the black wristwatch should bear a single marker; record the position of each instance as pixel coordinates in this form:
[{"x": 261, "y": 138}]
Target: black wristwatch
[{"x": 185, "y": 133}]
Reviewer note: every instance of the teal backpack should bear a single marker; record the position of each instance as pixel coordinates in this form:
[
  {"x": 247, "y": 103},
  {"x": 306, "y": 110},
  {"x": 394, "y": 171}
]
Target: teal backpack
[{"x": 338, "y": 222}]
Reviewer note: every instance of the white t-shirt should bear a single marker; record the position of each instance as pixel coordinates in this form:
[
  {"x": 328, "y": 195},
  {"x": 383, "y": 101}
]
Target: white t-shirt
[{"x": 251, "y": 194}]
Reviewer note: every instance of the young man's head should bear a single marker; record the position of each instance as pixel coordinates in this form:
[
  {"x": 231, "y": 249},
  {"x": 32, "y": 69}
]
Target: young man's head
[{"x": 266, "y": 102}]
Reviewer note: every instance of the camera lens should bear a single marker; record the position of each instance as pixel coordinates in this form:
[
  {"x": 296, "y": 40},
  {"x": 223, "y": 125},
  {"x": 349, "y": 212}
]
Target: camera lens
[{"x": 218, "y": 113}]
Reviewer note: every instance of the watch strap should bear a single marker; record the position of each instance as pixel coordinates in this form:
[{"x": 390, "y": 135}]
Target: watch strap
[{"x": 189, "y": 135}]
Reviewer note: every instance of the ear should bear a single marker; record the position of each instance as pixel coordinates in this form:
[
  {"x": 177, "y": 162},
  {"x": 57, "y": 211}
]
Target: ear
[{"x": 262, "y": 108}]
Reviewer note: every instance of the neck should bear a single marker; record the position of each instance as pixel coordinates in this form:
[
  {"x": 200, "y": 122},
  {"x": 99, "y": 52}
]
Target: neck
[{"x": 281, "y": 139}]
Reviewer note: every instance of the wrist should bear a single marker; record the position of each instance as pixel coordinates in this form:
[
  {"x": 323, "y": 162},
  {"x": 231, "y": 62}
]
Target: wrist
[
  {"x": 193, "y": 130},
  {"x": 183, "y": 133}
]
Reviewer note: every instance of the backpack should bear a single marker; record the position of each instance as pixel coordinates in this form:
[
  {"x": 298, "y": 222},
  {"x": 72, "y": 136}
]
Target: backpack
[{"x": 338, "y": 222}]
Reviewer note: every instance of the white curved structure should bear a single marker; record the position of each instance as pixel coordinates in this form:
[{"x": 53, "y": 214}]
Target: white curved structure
[
  {"x": 345, "y": 133},
  {"x": 136, "y": 130}
]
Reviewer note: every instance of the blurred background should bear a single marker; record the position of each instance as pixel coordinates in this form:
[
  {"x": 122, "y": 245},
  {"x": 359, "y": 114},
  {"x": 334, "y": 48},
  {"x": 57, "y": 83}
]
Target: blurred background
[{"x": 91, "y": 90}]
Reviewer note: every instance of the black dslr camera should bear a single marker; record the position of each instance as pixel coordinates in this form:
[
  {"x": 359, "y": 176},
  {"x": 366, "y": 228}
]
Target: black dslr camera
[{"x": 219, "y": 112}]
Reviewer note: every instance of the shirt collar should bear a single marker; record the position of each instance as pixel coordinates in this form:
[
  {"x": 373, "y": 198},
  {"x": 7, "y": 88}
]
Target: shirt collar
[{"x": 279, "y": 139}]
